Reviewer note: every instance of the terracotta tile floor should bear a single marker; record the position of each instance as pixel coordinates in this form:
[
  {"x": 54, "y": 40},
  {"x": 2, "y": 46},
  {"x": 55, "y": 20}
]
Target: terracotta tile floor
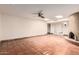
[{"x": 39, "y": 45}]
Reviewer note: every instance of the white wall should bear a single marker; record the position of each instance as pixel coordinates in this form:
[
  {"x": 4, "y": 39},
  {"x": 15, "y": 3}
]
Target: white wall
[
  {"x": 16, "y": 27},
  {"x": 59, "y": 28},
  {"x": 56, "y": 28}
]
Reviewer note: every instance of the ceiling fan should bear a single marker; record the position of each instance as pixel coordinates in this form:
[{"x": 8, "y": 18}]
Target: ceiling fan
[{"x": 40, "y": 14}]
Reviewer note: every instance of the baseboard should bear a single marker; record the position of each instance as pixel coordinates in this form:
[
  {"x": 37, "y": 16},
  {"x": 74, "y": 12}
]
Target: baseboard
[{"x": 22, "y": 38}]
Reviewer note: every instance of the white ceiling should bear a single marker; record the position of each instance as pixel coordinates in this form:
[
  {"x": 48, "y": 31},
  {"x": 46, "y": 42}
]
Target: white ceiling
[{"x": 49, "y": 10}]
